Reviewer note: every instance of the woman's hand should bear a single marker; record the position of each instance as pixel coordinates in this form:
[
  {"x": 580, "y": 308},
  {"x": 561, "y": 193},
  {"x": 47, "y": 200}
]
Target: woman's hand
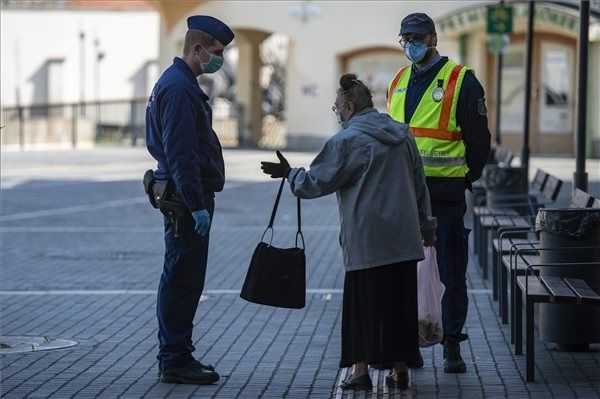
[
  {"x": 428, "y": 232},
  {"x": 276, "y": 170},
  {"x": 429, "y": 238}
]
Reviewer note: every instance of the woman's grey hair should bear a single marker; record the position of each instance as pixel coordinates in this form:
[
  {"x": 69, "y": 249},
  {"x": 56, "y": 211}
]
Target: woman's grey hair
[{"x": 356, "y": 92}]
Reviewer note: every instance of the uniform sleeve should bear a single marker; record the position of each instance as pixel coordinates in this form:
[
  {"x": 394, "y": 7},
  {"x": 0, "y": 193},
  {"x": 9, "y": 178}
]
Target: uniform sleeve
[
  {"x": 472, "y": 118},
  {"x": 421, "y": 190},
  {"x": 333, "y": 168},
  {"x": 182, "y": 147}
]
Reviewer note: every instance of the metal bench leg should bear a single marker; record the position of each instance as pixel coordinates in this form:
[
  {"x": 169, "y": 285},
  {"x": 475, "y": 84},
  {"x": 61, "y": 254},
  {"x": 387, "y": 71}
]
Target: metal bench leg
[
  {"x": 517, "y": 322},
  {"x": 484, "y": 252},
  {"x": 494, "y": 274},
  {"x": 514, "y": 291},
  {"x": 530, "y": 354},
  {"x": 500, "y": 296},
  {"x": 475, "y": 233},
  {"x": 504, "y": 295}
]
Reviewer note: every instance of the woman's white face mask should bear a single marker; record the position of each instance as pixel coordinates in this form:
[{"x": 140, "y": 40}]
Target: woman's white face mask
[{"x": 339, "y": 114}]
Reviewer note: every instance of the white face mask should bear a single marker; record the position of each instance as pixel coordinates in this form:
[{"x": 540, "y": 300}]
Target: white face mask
[{"x": 338, "y": 116}]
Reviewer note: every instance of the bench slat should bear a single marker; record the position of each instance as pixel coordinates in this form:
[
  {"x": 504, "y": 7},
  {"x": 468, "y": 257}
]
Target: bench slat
[
  {"x": 580, "y": 199},
  {"x": 488, "y": 221},
  {"x": 508, "y": 242},
  {"x": 506, "y": 221},
  {"x": 535, "y": 289},
  {"x": 485, "y": 211},
  {"x": 585, "y": 293},
  {"x": 522, "y": 261},
  {"x": 521, "y": 222},
  {"x": 558, "y": 289}
]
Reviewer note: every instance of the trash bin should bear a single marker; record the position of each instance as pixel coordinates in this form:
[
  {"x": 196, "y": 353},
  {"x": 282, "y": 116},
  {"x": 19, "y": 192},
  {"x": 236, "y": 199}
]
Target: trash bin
[
  {"x": 571, "y": 327},
  {"x": 504, "y": 185}
]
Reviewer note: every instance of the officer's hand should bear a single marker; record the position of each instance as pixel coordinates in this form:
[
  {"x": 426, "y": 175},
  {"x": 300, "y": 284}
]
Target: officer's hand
[
  {"x": 277, "y": 170},
  {"x": 202, "y": 219}
]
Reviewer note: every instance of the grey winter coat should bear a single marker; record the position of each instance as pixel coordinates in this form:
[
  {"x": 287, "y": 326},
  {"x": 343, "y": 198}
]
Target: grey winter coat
[{"x": 375, "y": 169}]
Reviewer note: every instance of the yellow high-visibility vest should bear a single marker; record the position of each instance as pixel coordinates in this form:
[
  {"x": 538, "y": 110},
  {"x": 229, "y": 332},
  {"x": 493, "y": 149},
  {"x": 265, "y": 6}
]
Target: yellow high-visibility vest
[{"x": 433, "y": 123}]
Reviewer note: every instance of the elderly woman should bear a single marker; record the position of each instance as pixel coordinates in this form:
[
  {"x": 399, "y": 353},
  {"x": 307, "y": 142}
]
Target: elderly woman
[{"x": 373, "y": 166}]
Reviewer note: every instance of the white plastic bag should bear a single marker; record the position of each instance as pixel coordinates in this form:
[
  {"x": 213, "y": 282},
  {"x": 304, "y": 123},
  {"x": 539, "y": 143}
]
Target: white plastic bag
[{"x": 430, "y": 292}]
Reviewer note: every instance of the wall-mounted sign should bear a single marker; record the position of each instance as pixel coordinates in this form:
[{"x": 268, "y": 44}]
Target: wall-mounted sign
[
  {"x": 477, "y": 18},
  {"x": 499, "y": 19}
]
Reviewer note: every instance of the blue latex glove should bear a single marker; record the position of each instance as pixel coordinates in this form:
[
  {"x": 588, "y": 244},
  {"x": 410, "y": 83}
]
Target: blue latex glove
[{"x": 202, "y": 219}]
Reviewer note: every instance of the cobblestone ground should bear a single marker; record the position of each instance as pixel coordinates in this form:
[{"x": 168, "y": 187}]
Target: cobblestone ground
[{"x": 81, "y": 259}]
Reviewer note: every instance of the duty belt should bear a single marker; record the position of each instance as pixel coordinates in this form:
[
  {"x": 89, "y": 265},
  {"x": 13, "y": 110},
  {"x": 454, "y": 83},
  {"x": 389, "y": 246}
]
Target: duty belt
[{"x": 162, "y": 196}]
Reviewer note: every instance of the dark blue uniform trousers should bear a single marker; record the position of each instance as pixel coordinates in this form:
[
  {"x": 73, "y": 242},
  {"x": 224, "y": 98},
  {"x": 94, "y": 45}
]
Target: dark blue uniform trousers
[
  {"x": 179, "y": 291},
  {"x": 452, "y": 257}
]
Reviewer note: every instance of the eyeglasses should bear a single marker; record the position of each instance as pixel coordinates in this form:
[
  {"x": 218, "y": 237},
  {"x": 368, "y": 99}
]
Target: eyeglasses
[{"x": 413, "y": 38}]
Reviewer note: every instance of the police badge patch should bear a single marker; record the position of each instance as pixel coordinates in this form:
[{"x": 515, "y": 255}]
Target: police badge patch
[
  {"x": 481, "y": 108},
  {"x": 437, "y": 94}
]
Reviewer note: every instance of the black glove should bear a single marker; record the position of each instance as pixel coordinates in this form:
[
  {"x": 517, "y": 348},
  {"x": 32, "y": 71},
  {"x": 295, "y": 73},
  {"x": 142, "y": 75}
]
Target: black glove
[{"x": 276, "y": 170}]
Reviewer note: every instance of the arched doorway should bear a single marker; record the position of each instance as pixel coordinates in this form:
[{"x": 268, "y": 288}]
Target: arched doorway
[
  {"x": 376, "y": 66},
  {"x": 552, "y": 129}
]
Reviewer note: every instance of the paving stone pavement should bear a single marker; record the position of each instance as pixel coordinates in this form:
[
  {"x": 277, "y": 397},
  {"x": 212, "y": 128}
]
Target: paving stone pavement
[{"x": 81, "y": 259}]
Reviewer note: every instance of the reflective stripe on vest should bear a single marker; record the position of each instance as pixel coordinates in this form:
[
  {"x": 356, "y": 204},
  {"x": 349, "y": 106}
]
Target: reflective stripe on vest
[{"x": 434, "y": 122}]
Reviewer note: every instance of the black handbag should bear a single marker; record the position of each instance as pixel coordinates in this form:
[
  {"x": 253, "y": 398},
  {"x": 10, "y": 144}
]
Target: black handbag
[{"x": 277, "y": 276}]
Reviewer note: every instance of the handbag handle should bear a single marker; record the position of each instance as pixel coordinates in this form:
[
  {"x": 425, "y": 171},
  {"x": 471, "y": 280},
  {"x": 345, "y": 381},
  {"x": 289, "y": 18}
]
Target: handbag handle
[{"x": 274, "y": 212}]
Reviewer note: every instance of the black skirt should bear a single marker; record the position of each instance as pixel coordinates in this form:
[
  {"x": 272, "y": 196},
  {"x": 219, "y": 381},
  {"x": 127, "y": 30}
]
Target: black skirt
[{"x": 379, "y": 319}]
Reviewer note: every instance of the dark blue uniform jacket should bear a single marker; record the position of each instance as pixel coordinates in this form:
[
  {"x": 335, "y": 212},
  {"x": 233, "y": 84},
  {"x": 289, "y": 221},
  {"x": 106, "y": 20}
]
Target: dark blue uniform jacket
[
  {"x": 180, "y": 137},
  {"x": 471, "y": 116}
]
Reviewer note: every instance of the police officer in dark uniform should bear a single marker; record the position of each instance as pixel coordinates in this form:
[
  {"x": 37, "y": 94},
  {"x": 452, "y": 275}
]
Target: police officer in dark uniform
[
  {"x": 191, "y": 169},
  {"x": 444, "y": 104}
]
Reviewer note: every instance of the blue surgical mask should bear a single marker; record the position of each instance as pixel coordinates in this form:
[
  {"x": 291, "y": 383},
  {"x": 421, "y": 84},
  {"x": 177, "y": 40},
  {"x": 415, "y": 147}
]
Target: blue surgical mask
[
  {"x": 416, "y": 51},
  {"x": 214, "y": 63}
]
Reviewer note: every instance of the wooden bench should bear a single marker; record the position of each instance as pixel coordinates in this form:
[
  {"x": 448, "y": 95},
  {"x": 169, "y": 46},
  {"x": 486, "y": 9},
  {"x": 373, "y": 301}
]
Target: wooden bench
[
  {"x": 536, "y": 190},
  {"x": 486, "y": 219},
  {"x": 516, "y": 245},
  {"x": 546, "y": 289}
]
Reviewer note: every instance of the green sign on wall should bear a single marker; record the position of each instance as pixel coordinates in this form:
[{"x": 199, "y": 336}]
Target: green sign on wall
[{"x": 499, "y": 19}]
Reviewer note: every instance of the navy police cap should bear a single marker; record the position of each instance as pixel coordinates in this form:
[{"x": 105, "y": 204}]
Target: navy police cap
[
  {"x": 417, "y": 23},
  {"x": 212, "y": 26}
]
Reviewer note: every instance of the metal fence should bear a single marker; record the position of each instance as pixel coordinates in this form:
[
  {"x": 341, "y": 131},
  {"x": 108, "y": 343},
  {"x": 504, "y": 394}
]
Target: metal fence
[{"x": 89, "y": 124}]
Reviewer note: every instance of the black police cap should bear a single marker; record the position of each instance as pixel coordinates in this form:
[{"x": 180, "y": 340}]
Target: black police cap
[{"x": 417, "y": 23}]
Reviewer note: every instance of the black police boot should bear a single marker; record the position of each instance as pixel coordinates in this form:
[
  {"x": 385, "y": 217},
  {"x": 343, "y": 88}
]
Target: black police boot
[
  {"x": 193, "y": 373},
  {"x": 418, "y": 363},
  {"x": 453, "y": 362}
]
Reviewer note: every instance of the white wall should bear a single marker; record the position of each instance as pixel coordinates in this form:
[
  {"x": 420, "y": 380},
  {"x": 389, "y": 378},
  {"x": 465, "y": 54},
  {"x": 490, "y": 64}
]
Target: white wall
[
  {"x": 29, "y": 37},
  {"x": 315, "y": 47}
]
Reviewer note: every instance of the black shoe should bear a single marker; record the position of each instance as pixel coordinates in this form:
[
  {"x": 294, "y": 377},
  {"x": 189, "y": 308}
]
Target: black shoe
[
  {"x": 417, "y": 364},
  {"x": 193, "y": 363},
  {"x": 453, "y": 362},
  {"x": 197, "y": 363},
  {"x": 362, "y": 382},
  {"x": 191, "y": 374},
  {"x": 400, "y": 382}
]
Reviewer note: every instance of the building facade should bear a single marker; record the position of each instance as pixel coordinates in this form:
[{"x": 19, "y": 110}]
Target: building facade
[{"x": 328, "y": 38}]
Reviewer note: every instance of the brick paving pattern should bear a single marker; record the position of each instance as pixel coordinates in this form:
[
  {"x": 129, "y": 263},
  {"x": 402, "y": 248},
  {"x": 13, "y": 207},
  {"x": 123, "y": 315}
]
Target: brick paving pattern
[{"x": 81, "y": 260}]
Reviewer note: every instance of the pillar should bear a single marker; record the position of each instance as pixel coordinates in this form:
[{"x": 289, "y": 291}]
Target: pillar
[{"x": 248, "y": 89}]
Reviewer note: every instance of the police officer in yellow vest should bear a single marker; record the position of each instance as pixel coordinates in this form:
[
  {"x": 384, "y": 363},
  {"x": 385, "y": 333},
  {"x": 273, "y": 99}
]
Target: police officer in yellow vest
[{"x": 444, "y": 105}]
